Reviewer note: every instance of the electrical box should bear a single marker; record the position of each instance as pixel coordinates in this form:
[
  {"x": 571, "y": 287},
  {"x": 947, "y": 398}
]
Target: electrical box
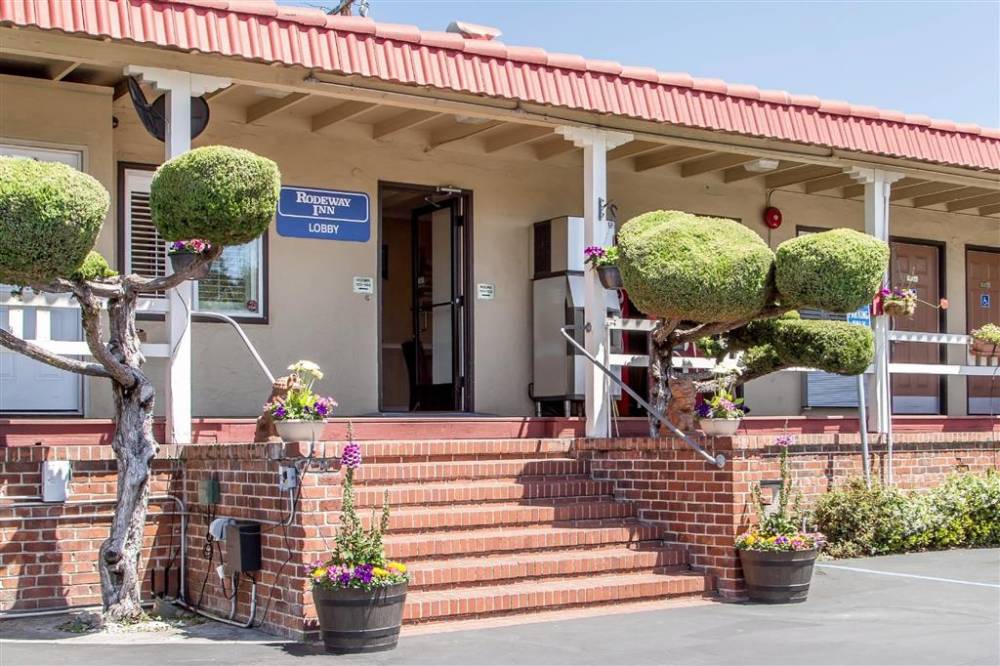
[
  {"x": 288, "y": 478},
  {"x": 56, "y": 475},
  {"x": 242, "y": 547},
  {"x": 208, "y": 491}
]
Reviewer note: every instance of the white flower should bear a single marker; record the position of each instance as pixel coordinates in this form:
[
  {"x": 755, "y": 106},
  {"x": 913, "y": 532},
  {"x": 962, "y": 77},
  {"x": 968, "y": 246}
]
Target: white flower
[{"x": 306, "y": 368}]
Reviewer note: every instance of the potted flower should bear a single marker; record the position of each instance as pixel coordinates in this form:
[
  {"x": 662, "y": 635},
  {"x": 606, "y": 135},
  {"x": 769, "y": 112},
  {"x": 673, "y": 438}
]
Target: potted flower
[
  {"x": 358, "y": 593},
  {"x": 182, "y": 253},
  {"x": 605, "y": 261},
  {"x": 898, "y": 302},
  {"x": 301, "y": 415},
  {"x": 985, "y": 341},
  {"x": 777, "y": 557},
  {"x": 721, "y": 415}
]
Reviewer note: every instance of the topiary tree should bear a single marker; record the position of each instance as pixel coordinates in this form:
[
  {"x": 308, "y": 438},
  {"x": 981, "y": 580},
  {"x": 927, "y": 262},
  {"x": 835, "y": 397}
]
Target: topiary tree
[
  {"x": 50, "y": 216},
  {"x": 715, "y": 282}
]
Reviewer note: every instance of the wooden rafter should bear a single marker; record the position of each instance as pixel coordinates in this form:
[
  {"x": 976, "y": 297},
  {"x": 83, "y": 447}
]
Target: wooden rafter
[
  {"x": 515, "y": 137},
  {"x": 460, "y": 131},
  {"x": 59, "y": 70},
  {"x": 631, "y": 149},
  {"x": 216, "y": 95},
  {"x": 549, "y": 148},
  {"x": 666, "y": 156},
  {"x": 857, "y": 190},
  {"x": 401, "y": 121},
  {"x": 900, "y": 193},
  {"x": 713, "y": 162},
  {"x": 829, "y": 183},
  {"x": 273, "y": 105},
  {"x": 738, "y": 173},
  {"x": 341, "y": 112},
  {"x": 974, "y": 202},
  {"x": 989, "y": 210},
  {"x": 802, "y": 174},
  {"x": 951, "y": 195}
]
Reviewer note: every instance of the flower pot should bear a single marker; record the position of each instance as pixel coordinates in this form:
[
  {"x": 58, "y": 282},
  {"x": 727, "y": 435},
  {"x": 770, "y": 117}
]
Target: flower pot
[
  {"x": 610, "y": 277},
  {"x": 981, "y": 348},
  {"x": 352, "y": 621},
  {"x": 180, "y": 261},
  {"x": 720, "y": 427},
  {"x": 899, "y": 308},
  {"x": 778, "y": 577},
  {"x": 300, "y": 431}
]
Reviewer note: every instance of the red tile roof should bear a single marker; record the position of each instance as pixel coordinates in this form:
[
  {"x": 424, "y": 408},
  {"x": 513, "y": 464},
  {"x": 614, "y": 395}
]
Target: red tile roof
[{"x": 263, "y": 31}]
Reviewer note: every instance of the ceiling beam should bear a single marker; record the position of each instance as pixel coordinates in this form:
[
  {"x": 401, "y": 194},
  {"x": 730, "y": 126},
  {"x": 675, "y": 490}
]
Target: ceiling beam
[
  {"x": 667, "y": 156},
  {"x": 739, "y": 173},
  {"x": 857, "y": 190},
  {"x": 223, "y": 92},
  {"x": 951, "y": 195},
  {"x": 400, "y": 122},
  {"x": 989, "y": 210},
  {"x": 515, "y": 137},
  {"x": 713, "y": 162},
  {"x": 460, "y": 131},
  {"x": 272, "y": 105},
  {"x": 974, "y": 202},
  {"x": 59, "y": 70},
  {"x": 899, "y": 193},
  {"x": 829, "y": 183},
  {"x": 802, "y": 174},
  {"x": 549, "y": 148},
  {"x": 631, "y": 149},
  {"x": 339, "y": 113}
]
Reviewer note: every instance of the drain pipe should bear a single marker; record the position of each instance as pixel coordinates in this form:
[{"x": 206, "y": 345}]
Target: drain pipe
[{"x": 232, "y": 609}]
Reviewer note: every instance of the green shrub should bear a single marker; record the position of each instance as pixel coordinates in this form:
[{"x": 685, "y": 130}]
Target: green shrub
[
  {"x": 859, "y": 521},
  {"x": 836, "y": 271},
  {"x": 224, "y": 195},
  {"x": 50, "y": 215},
  {"x": 94, "y": 267},
  {"x": 681, "y": 266}
]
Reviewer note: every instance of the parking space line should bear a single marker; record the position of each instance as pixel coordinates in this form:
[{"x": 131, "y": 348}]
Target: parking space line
[{"x": 903, "y": 575}]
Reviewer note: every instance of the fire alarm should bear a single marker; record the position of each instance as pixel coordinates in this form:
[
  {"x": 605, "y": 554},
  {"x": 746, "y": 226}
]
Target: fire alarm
[{"x": 772, "y": 217}]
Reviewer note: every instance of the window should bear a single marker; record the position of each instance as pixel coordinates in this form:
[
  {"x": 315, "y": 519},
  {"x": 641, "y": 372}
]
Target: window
[{"x": 235, "y": 284}]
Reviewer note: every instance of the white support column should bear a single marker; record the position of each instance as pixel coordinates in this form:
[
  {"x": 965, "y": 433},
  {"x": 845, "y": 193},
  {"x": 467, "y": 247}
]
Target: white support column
[
  {"x": 877, "y": 184},
  {"x": 179, "y": 87},
  {"x": 598, "y": 230}
]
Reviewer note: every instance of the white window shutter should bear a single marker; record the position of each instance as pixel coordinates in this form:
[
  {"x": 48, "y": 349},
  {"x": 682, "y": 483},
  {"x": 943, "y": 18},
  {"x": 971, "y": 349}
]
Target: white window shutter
[{"x": 145, "y": 249}]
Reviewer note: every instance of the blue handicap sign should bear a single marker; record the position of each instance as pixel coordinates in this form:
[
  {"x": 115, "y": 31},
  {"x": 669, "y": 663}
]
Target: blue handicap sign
[
  {"x": 861, "y": 316},
  {"x": 306, "y": 212},
  {"x": 984, "y": 300}
]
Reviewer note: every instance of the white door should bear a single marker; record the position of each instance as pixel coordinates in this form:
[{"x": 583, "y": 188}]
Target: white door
[{"x": 27, "y": 385}]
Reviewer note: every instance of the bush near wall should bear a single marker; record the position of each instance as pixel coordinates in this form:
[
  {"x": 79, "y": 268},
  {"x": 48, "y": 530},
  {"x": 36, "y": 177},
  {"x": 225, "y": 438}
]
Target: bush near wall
[{"x": 962, "y": 512}]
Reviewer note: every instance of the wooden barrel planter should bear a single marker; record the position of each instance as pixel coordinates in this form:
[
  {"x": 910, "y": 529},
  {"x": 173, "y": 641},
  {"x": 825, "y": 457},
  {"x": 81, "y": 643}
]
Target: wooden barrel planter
[
  {"x": 778, "y": 577},
  {"x": 353, "y": 621}
]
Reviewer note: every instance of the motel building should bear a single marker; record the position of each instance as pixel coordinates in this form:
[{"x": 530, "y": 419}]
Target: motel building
[{"x": 438, "y": 189}]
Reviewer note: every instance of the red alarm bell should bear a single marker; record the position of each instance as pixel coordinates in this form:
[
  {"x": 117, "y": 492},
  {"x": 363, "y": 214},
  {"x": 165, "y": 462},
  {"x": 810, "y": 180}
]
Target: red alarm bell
[{"x": 772, "y": 217}]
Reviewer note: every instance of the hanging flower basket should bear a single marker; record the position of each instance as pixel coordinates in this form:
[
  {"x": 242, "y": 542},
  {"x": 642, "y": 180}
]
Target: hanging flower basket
[
  {"x": 897, "y": 302},
  {"x": 610, "y": 277},
  {"x": 985, "y": 342},
  {"x": 183, "y": 253}
]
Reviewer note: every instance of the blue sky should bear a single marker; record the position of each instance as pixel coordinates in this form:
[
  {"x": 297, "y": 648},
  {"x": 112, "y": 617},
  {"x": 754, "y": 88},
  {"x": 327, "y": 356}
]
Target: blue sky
[{"x": 937, "y": 58}]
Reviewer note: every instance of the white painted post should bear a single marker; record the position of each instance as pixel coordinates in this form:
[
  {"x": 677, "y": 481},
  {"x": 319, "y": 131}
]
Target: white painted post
[
  {"x": 877, "y": 184},
  {"x": 179, "y": 88},
  {"x": 597, "y": 230}
]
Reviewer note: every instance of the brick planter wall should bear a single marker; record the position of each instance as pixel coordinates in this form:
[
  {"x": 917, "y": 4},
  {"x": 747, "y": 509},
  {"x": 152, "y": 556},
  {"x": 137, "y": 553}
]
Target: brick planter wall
[{"x": 705, "y": 508}]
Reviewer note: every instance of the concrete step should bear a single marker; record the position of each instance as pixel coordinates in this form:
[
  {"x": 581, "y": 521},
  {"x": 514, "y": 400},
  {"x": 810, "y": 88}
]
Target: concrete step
[
  {"x": 409, "y": 472},
  {"x": 575, "y": 534},
  {"x": 471, "y": 571},
  {"x": 471, "y": 491},
  {"x": 471, "y": 516},
  {"x": 536, "y": 595},
  {"x": 380, "y": 452}
]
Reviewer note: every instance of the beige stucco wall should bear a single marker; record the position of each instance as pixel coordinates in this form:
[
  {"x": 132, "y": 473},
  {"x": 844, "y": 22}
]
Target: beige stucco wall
[{"x": 315, "y": 315}]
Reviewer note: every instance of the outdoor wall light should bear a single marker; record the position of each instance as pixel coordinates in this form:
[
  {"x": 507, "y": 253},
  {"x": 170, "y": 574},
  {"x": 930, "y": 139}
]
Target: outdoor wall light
[{"x": 762, "y": 165}]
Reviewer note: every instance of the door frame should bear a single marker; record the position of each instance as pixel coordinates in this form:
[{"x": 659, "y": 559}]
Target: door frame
[
  {"x": 971, "y": 247},
  {"x": 942, "y": 258},
  {"x": 468, "y": 306}
]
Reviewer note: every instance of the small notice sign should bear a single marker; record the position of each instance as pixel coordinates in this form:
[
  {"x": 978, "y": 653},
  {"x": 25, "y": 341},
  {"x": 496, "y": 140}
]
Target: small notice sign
[
  {"x": 984, "y": 301},
  {"x": 485, "y": 291},
  {"x": 862, "y": 316},
  {"x": 305, "y": 212},
  {"x": 364, "y": 285}
]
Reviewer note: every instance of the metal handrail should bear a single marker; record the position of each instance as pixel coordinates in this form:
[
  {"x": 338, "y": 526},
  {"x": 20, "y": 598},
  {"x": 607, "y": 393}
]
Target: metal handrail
[
  {"x": 243, "y": 336},
  {"x": 717, "y": 460}
]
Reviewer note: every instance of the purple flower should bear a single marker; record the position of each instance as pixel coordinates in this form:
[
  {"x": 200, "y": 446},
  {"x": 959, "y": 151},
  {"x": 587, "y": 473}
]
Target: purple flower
[
  {"x": 703, "y": 410},
  {"x": 593, "y": 251},
  {"x": 782, "y": 540},
  {"x": 279, "y": 412},
  {"x": 784, "y": 441},
  {"x": 727, "y": 405},
  {"x": 363, "y": 573},
  {"x": 351, "y": 457}
]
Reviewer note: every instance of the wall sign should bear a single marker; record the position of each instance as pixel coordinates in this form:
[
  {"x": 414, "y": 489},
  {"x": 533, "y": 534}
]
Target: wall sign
[
  {"x": 363, "y": 285},
  {"x": 862, "y": 316},
  {"x": 485, "y": 291},
  {"x": 305, "y": 212},
  {"x": 984, "y": 301}
]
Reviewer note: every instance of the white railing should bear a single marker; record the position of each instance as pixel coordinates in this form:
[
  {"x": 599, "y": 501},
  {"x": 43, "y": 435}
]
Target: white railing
[{"x": 12, "y": 316}]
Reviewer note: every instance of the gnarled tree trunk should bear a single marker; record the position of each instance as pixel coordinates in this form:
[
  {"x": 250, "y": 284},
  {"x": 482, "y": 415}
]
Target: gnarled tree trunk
[{"x": 661, "y": 351}]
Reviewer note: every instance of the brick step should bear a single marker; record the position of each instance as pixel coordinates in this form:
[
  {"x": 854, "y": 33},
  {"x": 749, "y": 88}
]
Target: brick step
[
  {"x": 471, "y": 571},
  {"x": 577, "y": 534},
  {"x": 470, "y": 516},
  {"x": 535, "y": 595},
  {"x": 392, "y": 451},
  {"x": 389, "y": 473},
  {"x": 458, "y": 492}
]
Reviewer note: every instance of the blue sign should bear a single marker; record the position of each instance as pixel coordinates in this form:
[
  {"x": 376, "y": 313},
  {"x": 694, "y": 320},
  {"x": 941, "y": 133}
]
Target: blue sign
[
  {"x": 860, "y": 316},
  {"x": 984, "y": 301},
  {"x": 305, "y": 212}
]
